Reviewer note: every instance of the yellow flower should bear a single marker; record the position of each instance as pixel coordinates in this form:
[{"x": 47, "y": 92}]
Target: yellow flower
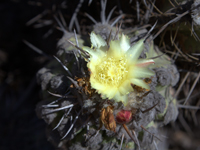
[{"x": 115, "y": 66}]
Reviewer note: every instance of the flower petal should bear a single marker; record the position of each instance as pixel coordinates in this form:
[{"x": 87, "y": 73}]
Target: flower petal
[
  {"x": 141, "y": 83},
  {"x": 134, "y": 52},
  {"x": 121, "y": 98},
  {"x": 125, "y": 87},
  {"x": 144, "y": 62},
  {"x": 110, "y": 92},
  {"x": 96, "y": 40},
  {"x": 136, "y": 72},
  {"x": 124, "y": 43},
  {"x": 105, "y": 90},
  {"x": 96, "y": 54},
  {"x": 115, "y": 49}
]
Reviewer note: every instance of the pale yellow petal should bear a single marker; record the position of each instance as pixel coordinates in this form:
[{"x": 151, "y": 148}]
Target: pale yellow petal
[
  {"x": 124, "y": 43},
  {"x": 105, "y": 90},
  {"x": 96, "y": 85},
  {"x": 96, "y": 40},
  {"x": 110, "y": 92},
  {"x": 96, "y": 54},
  {"x": 134, "y": 52},
  {"x": 121, "y": 98},
  {"x": 137, "y": 72},
  {"x": 93, "y": 65},
  {"x": 125, "y": 87},
  {"x": 115, "y": 49},
  {"x": 144, "y": 62},
  {"x": 141, "y": 83}
]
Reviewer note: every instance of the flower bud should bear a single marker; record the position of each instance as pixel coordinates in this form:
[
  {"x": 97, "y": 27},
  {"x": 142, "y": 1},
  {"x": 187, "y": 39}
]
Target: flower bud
[{"x": 124, "y": 116}]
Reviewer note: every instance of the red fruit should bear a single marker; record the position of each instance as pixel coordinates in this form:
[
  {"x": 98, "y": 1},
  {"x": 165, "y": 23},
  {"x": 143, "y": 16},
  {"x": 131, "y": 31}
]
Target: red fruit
[{"x": 124, "y": 116}]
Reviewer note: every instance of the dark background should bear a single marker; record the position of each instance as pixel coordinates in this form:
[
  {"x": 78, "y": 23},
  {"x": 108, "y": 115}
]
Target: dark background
[{"x": 20, "y": 129}]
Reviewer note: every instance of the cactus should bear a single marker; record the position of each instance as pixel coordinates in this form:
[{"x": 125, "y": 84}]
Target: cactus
[{"x": 109, "y": 96}]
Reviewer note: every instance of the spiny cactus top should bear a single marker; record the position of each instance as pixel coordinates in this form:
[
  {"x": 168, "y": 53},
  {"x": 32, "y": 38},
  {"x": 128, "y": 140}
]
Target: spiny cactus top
[{"x": 115, "y": 65}]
